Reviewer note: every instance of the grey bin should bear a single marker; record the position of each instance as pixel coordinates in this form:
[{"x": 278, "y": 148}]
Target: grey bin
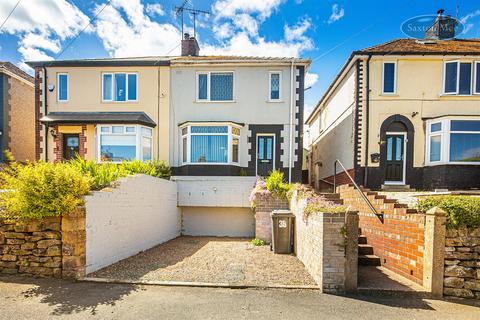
[{"x": 282, "y": 231}]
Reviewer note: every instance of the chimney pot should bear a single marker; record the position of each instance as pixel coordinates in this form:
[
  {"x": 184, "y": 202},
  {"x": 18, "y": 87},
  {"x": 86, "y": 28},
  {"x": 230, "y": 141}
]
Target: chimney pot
[{"x": 186, "y": 36}]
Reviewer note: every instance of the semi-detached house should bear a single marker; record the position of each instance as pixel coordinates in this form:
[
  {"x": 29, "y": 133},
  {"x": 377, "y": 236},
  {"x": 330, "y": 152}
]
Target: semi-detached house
[
  {"x": 405, "y": 113},
  {"x": 219, "y": 121}
]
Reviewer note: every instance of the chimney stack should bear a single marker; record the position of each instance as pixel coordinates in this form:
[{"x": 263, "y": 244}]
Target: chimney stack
[
  {"x": 190, "y": 46},
  {"x": 443, "y": 27}
]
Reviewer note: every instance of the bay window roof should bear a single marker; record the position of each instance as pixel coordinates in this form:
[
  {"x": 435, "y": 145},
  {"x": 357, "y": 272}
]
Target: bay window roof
[{"x": 99, "y": 117}]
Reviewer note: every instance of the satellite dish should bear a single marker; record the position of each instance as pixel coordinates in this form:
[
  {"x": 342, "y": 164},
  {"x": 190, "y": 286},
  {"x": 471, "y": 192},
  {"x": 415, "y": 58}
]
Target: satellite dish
[{"x": 51, "y": 87}]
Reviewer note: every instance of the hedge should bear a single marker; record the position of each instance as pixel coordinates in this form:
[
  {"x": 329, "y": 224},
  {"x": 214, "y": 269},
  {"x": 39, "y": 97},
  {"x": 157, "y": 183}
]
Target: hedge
[{"x": 462, "y": 211}]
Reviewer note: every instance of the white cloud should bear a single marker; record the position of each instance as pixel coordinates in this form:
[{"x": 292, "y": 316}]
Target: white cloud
[
  {"x": 297, "y": 32},
  {"x": 41, "y": 25},
  {"x": 310, "y": 79},
  {"x": 136, "y": 34},
  {"x": 223, "y": 31},
  {"x": 230, "y": 8},
  {"x": 337, "y": 13},
  {"x": 155, "y": 9}
]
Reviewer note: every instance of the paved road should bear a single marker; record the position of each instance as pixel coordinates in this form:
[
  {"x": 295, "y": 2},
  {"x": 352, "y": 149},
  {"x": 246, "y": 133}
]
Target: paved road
[{"x": 22, "y": 298}]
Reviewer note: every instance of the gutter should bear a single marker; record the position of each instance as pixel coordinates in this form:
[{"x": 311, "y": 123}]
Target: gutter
[
  {"x": 45, "y": 108},
  {"x": 367, "y": 109},
  {"x": 291, "y": 122}
]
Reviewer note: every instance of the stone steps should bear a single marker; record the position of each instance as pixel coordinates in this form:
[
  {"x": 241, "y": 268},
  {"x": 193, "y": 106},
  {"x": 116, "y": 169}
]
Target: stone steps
[
  {"x": 368, "y": 260},
  {"x": 365, "y": 249}
]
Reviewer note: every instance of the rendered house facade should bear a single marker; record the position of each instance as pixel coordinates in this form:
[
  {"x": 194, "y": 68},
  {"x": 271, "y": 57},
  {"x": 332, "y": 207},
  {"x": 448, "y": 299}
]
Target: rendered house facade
[
  {"x": 404, "y": 113},
  {"x": 17, "y": 117}
]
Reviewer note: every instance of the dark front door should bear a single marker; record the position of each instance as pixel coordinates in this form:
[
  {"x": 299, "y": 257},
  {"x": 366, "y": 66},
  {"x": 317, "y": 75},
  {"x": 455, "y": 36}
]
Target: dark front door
[
  {"x": 395, "y": 158},
  {"x": 265, "y": 155},
  {"x": 71, "y": 144}
]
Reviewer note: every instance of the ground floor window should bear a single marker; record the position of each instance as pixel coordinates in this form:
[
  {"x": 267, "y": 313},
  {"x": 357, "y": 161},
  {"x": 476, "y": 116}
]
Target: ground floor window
[
  {"x": 118, "y": 143},
  {"x": 210, "y": 144},
  {"x": 455, "y": 141}
]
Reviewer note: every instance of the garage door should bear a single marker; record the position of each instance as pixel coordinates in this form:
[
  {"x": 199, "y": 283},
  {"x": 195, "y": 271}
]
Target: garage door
[{"x": 210, "y": 221}]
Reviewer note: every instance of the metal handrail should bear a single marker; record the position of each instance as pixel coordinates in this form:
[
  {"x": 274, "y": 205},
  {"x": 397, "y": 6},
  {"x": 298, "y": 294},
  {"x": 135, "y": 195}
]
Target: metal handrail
[{"x": 364, "y": 197}]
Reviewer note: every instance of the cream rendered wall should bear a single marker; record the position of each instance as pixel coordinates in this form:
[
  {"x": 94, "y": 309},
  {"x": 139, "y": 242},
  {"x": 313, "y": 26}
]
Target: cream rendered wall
[
  {"x": 85, "y": 95},
  {"x": 250, "y": 105},
  {"x": 419, "y": 89},
  {"x": 335, "y": 140}
]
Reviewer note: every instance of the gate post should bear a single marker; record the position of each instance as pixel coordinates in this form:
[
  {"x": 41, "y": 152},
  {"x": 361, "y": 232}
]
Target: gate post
[
  {"x": 351, "y": 251},
  {"x": 433, "y": 256}
]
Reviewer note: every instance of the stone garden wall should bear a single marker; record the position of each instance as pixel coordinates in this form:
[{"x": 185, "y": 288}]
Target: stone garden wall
[
  {"x": 52, "y": 247},
  {"x": 462, "y": 263}
]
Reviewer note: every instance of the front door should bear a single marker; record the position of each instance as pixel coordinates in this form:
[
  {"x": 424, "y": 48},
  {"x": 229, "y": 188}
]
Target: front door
[
  {"x": 265, "y": 155},
  {"x": 71, "y": 144},
  {"x": 395, "y": 165}
]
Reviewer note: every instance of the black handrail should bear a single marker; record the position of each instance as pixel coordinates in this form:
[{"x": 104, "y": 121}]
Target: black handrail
[{"x": 364, "y": 197}]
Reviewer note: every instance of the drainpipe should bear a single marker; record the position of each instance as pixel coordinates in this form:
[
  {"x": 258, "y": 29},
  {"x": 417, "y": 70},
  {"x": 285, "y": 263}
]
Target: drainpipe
[
  {"x": 45, "y": 106},
  {"x": 292, "y": 77},
  {"x": 158, "y": 113},
  {"x": 367, "y": 112}
]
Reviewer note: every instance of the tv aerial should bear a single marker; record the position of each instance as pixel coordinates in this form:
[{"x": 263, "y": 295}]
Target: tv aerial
[{"x": 179, "y": 10}]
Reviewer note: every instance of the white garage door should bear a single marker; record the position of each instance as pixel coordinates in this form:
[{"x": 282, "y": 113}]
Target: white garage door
[{"x": 210, "y": 221}]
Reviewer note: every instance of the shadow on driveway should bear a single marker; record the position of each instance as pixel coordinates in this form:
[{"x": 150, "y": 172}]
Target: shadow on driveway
[{"x": 67, "y": 297}]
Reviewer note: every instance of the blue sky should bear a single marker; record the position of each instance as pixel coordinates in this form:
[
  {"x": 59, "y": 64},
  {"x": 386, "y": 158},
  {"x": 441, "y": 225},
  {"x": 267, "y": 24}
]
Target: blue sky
[{"x": 326, "y": 31}]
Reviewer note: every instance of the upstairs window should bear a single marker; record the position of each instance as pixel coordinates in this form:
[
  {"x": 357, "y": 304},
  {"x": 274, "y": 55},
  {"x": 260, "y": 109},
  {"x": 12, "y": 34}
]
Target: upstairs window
[
  {"x": 477, "y": 77},
  {"x": 215, "y": 86},
  {"x": 119, "y": 87},
  {"x": 274, "y": 86},
  {"x": 389, "y": 77},
  {"x": 458, "y": 78},
  {"x": 62, "y": 85}
]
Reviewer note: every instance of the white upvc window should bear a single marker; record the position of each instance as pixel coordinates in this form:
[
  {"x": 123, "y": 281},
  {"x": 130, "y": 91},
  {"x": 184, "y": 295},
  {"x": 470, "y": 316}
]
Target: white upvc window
[
  {"x": 119, "y": 87},
  {"x": 210, "y": 143},
  {"x": 215, "y": 86},
  {"x": 460, "y": 77},
  {"x": 389, "y": 77},
  {"x": 453, "y": 141},
  {"x": 476, "y": 86},
  {"x": 62, "y": 87},
  {"x": 117, "y": 143},
  {"x": 275, "y": 86}
]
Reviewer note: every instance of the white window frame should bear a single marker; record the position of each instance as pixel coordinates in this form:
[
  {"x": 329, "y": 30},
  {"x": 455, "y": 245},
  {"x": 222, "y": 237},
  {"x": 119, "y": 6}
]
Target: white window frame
[
  {"x": 474, "y": 91},
  {"x": 58, "y": 87},
  {"x": 445, "y": 141},
  {"x": 394, "y": 78},
  {"x": 209, "y": 73},
  {"x": 472, "y": 82},
  {"x": 256, "y": 151},
  {"x": 230, "y": 134},
  {"x": 280, "y": 77},
  {"x": 138, "y": 133},
  {"x": 112, "y": 89}
]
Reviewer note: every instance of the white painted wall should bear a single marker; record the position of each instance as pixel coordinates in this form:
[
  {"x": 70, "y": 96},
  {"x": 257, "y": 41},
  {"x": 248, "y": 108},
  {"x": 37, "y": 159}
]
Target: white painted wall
[
  {"x": 219, "y": 222},
  {"x": 250, "y": 105},
  {"x": 214, "y": 191},
  {"x": 137, "y": 215}
]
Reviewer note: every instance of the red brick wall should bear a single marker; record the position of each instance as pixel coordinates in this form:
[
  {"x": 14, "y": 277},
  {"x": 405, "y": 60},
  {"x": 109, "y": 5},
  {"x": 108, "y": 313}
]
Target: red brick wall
[{"x": 399, "y": 241}]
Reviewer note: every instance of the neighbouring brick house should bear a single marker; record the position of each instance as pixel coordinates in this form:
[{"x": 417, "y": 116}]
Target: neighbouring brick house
[
  {"x": 17, "y": 116},
  {"x": 402, "y": 114}
]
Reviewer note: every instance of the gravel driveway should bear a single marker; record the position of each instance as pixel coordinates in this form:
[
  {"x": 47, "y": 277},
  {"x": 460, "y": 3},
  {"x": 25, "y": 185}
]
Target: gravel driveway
[{"x": 212, "y": 260}]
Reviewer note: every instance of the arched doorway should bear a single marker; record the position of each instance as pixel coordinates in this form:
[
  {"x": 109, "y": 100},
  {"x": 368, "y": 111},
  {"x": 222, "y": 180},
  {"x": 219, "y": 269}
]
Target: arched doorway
[{"x": 396, "y": 149}]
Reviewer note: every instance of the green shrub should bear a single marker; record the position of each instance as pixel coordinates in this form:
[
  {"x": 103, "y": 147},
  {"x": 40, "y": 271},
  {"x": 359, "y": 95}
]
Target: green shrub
[
  {"x": 101, "y": 174},
  {"x": 462, "y": 211},
  {"x": 155, "y": 168},
  {"x": 43, "y": 190},
  {"x": 276, "y": 185},
  {"x": 258, "y": 242}
]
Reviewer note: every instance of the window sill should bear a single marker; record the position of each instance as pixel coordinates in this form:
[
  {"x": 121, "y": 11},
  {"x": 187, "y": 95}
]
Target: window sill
[
  {"x": 389, "y": 94},
  {"x": 452, "y": 163},
  {"x": 214, "y": 101},
  {"x": 275, "y": 101},
  {"x": 210, "y": 164},
  {"x": 458, "y": 95},
  {"x": 119, "y": 102}
]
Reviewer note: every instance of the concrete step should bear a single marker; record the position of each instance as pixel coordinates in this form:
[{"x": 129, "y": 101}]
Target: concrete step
[
  {"x": 399, "y": 188},
  {"x": 368, "y": 260},
  {"x": 362, "y": 240},
  {"x": 365, "y": 249}
]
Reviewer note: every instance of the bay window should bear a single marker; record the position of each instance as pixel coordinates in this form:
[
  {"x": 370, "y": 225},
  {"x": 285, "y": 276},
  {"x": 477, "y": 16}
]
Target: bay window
[
  {"x": 455, "y": 141},
  {"x": 215, "y": 86},
  {"x": 119, "y": 87},
  {"x": 210, "y": 144},
  {"x": 117, "y": 143}
]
